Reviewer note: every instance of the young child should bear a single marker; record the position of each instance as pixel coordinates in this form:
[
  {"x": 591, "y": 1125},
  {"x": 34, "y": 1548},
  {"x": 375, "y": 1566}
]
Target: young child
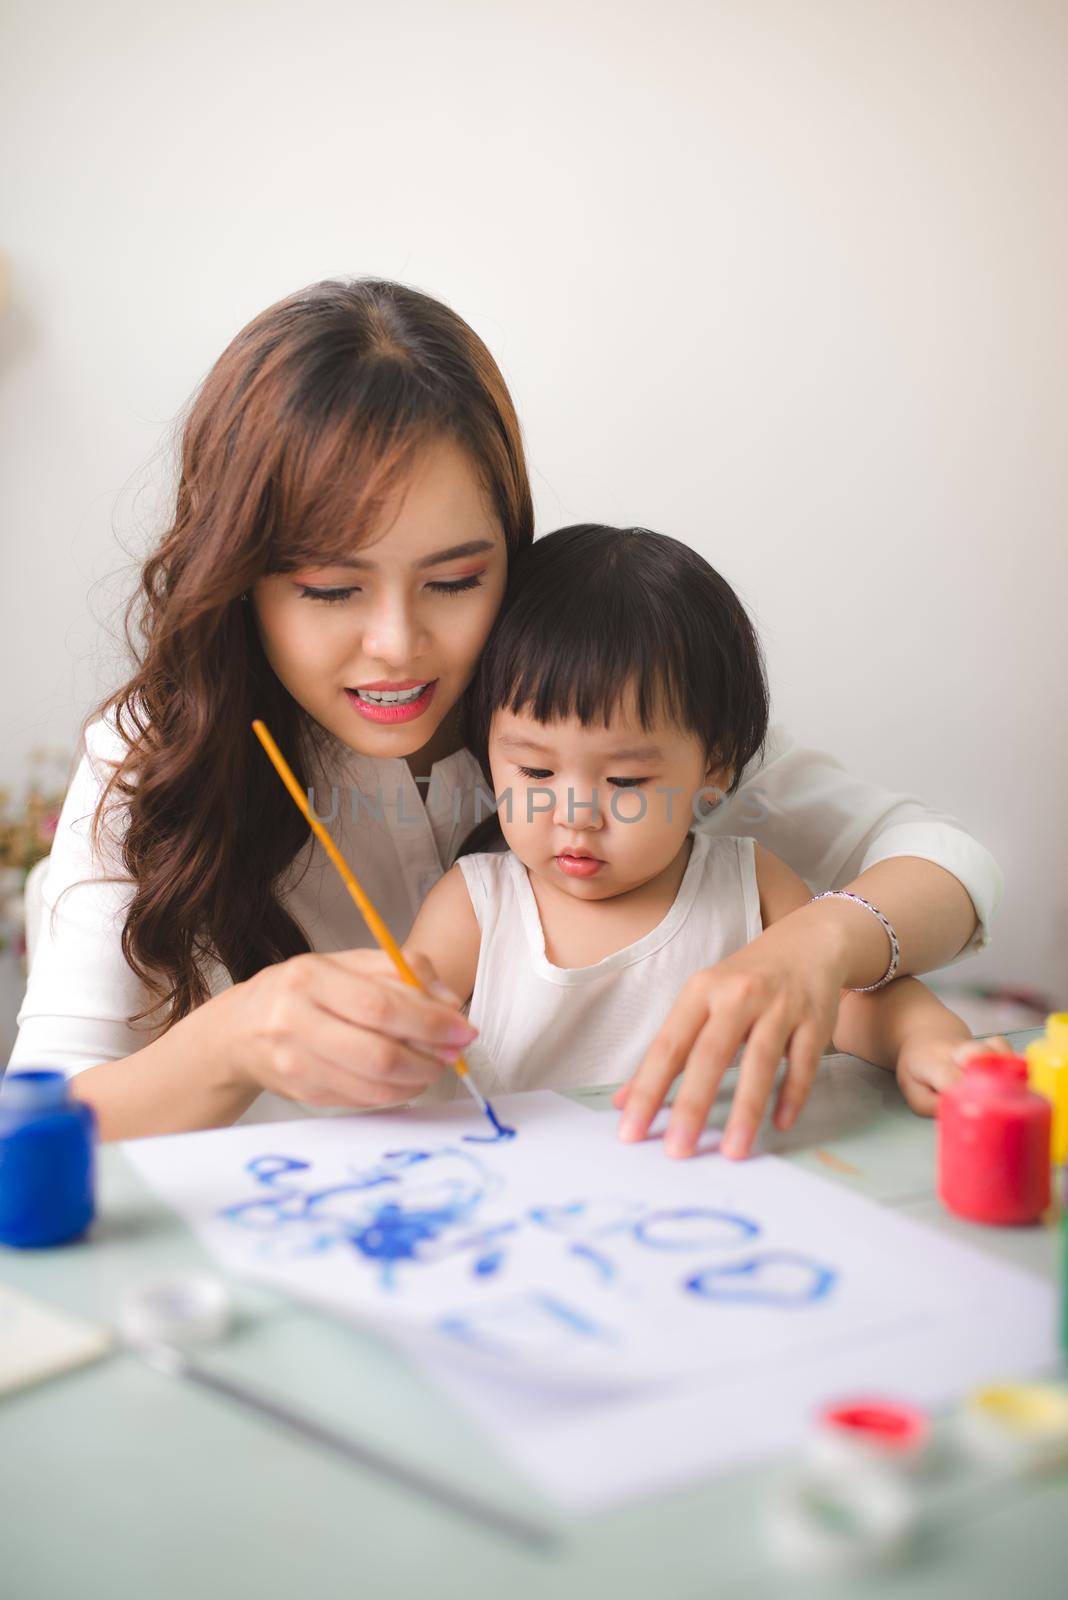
[{"x": 619, "y": 698}]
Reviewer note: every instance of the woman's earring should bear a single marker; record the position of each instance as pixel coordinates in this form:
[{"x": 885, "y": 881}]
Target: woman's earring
[{"x": 245, "y": 595}]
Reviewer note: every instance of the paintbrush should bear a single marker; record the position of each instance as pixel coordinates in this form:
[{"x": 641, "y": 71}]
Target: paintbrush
[
  {"x": 176, "y": 1363},
  {"x": 370, "y": 915}
]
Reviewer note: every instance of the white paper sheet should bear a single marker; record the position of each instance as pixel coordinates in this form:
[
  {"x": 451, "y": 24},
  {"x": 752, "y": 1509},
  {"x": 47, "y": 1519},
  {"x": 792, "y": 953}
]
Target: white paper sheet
[
  {"x": 578, "y": 1264},
  {"x": 594, "y": 1452}
]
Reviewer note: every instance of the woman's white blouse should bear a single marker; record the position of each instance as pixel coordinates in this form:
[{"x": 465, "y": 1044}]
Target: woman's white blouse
[{"x": 801, "y": 804}]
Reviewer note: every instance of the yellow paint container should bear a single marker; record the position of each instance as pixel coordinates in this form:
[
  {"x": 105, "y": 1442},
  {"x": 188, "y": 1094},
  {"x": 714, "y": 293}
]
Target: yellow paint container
[
  {"x": 1047, "y": 1074},
  {"x": 1017, "y": 1425}
]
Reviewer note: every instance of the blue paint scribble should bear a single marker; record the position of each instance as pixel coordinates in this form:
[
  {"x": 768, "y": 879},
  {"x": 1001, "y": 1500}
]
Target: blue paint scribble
[
  {"x": 396, "y": 1233},
  {"x": 504, "y": 1326},
  {"x": 476, "y": 1241},
  {"x": 560, "y": 1217},
  {"x": 575, "y": 1320},
  {"x": 267, "y": 1168},
  {"x": 414, "y": 1208},
  {"x": 602, "y": 1264},
  {"x": 773, "y": 1278},
  {"x": 406, "y": 1227},
  {"x": 592, "y": 1219},
  {"x": 694, "y": 1228}
]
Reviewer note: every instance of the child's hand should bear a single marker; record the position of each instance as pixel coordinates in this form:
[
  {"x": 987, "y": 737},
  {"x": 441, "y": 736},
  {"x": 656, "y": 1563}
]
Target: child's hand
[
  {"x": 773, "y": 999},
  {"x": 927, "y": 1066}
]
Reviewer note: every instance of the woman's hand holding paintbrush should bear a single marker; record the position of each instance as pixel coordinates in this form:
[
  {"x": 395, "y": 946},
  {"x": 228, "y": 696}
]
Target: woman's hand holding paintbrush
[
  {"x": 344, "y": 1030},
  {"x": 402, "y": 965},
  {"x": 337, "y": 1029},
  {"x": 355, "y": 1028}
]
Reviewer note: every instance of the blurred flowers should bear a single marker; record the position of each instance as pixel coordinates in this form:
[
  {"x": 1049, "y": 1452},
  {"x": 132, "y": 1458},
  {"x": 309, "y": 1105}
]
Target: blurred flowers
[{"x": 27, "y": 828}]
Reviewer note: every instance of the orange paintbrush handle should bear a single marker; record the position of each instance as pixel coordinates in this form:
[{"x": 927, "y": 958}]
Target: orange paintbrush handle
[{"x": 370, "y": 915}]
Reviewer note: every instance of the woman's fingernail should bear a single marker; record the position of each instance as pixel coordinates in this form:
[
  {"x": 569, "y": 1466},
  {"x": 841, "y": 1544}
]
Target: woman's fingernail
[
  {"x": 441, "y": 991},
  {"x": 462, "y": 1033}
]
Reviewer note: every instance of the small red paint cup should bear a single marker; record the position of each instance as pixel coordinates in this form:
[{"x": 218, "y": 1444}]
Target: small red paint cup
[
  {"x": 994, "y": 1144},
  {"x": 870, "y": 1432}
]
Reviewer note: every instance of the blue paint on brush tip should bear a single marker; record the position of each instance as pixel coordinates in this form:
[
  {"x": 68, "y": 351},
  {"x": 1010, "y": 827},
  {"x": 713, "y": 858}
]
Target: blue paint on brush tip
[
  {"x": 500, "y": 1130},
  {"x": 503, "y": 1132}
]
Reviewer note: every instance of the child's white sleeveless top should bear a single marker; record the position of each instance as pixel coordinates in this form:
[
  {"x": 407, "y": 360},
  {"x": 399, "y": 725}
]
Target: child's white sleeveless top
[{"x": 543, "y": 1026}]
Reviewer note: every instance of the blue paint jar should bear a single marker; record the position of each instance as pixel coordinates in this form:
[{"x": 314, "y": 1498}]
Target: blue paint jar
[{"x": 47, "y": 1165}]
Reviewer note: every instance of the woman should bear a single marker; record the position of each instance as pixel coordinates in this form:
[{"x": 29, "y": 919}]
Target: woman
[{"x": 352, "y": 486}]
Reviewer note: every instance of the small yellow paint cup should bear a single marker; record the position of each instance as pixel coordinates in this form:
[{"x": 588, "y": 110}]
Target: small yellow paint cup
[{"x": 1047, "y": 1073}]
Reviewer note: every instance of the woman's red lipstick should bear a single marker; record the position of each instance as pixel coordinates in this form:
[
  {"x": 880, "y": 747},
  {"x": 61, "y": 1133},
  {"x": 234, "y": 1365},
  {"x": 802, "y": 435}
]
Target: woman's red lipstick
[{"x": 396, "y": 711}]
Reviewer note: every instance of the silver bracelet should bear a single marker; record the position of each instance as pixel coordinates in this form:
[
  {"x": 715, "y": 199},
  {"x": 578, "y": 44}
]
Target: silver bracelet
[{"x": 895, "y": 949}]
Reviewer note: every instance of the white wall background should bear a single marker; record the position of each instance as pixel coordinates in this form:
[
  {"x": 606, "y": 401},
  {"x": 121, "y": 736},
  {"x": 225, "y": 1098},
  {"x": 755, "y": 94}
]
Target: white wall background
[{"x": 786, "y": 280}]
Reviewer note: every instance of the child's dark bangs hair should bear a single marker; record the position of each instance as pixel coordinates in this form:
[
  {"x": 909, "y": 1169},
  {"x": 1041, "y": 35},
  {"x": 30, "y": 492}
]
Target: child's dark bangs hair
[{"x": 591, "y": 612}]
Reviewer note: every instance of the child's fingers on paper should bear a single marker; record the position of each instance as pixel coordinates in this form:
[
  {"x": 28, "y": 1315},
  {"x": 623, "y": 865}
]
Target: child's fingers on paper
[
  {"x": 697, "y": 1091},
  {"x": 646, "y": 1095},
  {"x": 662, "y": 1062},
  {"x": 802, "y": 1060},
  {"x": 710, "y": 1055},
  {"x": 764, "y": 1049}
]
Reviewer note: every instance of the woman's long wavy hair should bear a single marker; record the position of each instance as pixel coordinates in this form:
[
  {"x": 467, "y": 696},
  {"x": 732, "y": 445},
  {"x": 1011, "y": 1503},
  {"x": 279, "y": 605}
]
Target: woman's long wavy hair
[{"x": 308, "y": 422}]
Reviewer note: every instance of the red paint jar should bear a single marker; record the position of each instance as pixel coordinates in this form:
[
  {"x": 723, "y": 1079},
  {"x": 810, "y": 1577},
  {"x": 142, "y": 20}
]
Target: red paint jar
[{"x": 994, "y": 1143}]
